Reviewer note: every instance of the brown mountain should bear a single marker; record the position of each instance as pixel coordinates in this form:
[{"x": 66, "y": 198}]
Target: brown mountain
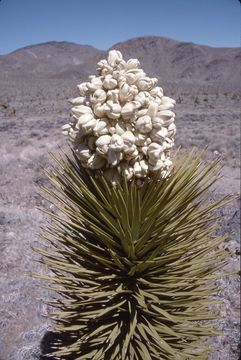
[
  {"x": 172, "y": 60},
  {"x": 167, "y": 59},
  {"x": 51, "y": 59}
]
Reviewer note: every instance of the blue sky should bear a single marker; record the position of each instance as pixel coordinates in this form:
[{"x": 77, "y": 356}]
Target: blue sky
[{"x": 102, "y": 23}]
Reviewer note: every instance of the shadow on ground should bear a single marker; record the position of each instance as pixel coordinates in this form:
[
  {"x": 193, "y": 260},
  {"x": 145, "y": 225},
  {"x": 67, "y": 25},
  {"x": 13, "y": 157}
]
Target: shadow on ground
[{"x": 48, "y": 345}]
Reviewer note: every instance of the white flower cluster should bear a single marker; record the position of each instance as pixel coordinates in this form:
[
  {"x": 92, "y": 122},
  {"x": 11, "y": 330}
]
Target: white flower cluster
[{"x": 121, "y": 123}]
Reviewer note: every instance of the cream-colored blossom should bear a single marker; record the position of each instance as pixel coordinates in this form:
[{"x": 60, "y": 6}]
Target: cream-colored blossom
[
  {"x": 121, "y": 122},
  {"x": 144, "y": 124}
]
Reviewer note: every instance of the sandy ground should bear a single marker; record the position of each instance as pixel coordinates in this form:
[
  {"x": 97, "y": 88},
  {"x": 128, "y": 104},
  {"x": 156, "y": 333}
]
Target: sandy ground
[{"x": 31, "y": 118}]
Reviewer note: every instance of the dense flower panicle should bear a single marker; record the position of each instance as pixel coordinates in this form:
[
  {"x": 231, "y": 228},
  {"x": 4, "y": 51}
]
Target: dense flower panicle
[{"x": 121, "y": 122}]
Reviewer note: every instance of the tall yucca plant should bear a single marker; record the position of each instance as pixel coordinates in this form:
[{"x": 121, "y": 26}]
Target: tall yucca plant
[{"x": 133, "y": 266}]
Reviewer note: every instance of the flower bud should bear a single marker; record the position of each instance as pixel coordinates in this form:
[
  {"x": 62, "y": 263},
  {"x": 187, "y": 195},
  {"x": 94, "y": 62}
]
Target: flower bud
[
  {"x": 140, "y": 169},
  {"x": 78, "y": 101},
  {"x": 126, "y": 169},
  {"x": 144, "y": 124},
  {"x": 109, "y": 82},
  {"x": 88, "y": 126},
  {"x": 83, "y": 152},
  {"x": 112, "y": 110},
  {"x": 126, "y": 93},
  {"x": 130, "y": 78},
  {"x": 157, "y": 92},
  {"x": 95, "y": 84},
  {"x": 156, "y": 166},
  {"x": 103, "y": 68},
  {"x": 114, "y": 57},
  {"x": 99, "y": 96},
  {"x": 140, "y": 138},
  {"x": 113, "y": 95},
  {"x": 167, "y": 144},
  {"x": 165, "y": 115},
  {"x": 152, "y": 109},
  {"x": 116, "y": 142},
  {"x": 84, "y": 119},
  {"x": 157, "y": 123},
  {"x": 74, "y": 135},
  {"x": 171, "y": 130},
  {"x": 132, "y": 64},
  {"x": 102, "y": 144},
  {"x": 146, "y": 84},
  {"x": 127, "y": 111},
  {"x": 81, "y": 110},
  {"x": 166, "y": 99},
  {"x": 119, "y": 129},
  {"x": 99, "y": 110},
  {"x": 131, "y": 151},
  {"x": 65, "y": 129},
  {"x": 159, "y": 135},
  {"x": 82, "y": 89},
  {"x": 154, "y": 151},
  {"x": 128, "y": 138},
  {"x": 114, "y": 157}
]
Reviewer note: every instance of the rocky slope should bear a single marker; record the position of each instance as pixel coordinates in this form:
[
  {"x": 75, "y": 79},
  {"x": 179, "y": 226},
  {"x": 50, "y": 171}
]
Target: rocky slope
[{"x": 164, "y": 58}]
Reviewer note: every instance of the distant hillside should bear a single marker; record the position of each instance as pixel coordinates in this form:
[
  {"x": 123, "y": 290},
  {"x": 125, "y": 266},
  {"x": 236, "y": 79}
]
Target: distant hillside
[
  {"x": 173, "y": 60},
  {"x": 167, "y": 59},
  {"x": 51, "y": 59}
]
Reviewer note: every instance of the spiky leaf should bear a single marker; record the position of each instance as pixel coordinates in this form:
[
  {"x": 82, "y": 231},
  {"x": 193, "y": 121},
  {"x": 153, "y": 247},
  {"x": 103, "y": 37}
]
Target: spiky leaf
[{"x": 134, "y": 266}]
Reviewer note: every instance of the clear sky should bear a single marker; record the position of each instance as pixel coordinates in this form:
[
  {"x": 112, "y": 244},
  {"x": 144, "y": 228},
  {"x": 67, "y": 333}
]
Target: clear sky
[{"x": 102, "y": 23}]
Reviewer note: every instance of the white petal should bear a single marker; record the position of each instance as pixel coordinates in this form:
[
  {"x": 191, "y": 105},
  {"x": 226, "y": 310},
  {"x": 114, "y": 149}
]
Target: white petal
[
  {"x": 109, "y": 82},
  {"x": 132, "y": 64},
  {"x": 127, "y": 111},
  {"x": 89, "y": 126},
  {"x": 160, "y": 135},
  {"x": 66, "y": 128},
  {"x": 99, "y": 126},
  {"x": 128, "y": 138},
  {"x": 114, "y": 157},
  {"x": 78, "y": 101},
  {"x": 152, "y": 109},
  {"x": 83, "y": 152},
  {"x": 157, "y": 122},
  {"x": 95, "y": 84},
  {"x": 81, "y": 110},
  {"x": 116, "y": 142},
  {"x": 114, "y": 57},
  {"x": 140, "y": 138},
  {"x": 103, "y": 140},
  {"x": 112, "y": 110},
  {"x": 83, "y": 120},
  {"x": 99, "y": 110},
  {"x": 99, "y": 96},
  {"x": 82, "y": 89},
  {"x": 144, "y": 124},
  {"x": 119, "y": 129}
]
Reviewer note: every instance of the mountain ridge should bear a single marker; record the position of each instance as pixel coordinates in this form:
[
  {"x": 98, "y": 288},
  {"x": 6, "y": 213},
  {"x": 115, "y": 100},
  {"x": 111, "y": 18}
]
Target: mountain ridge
[{"x": 165, "y": 58}]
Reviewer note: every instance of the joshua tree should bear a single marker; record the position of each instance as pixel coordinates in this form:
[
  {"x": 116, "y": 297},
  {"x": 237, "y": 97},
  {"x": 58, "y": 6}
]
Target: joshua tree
[{"x": 131, "y": 245}]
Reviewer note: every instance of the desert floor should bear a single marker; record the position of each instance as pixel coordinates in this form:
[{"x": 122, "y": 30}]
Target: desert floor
[{"x": 30, "y": 127}]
